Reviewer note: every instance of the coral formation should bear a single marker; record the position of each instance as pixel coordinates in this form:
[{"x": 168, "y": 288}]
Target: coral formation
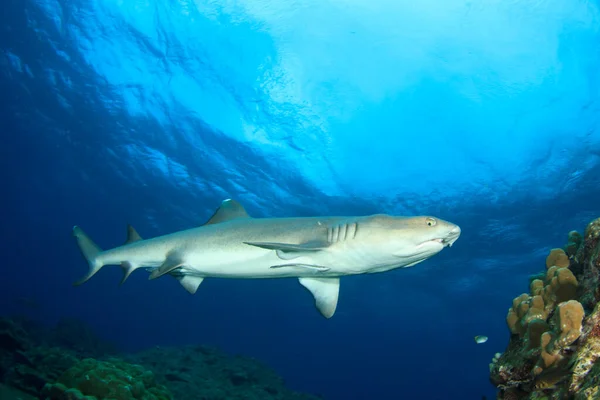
[
  {"x": 112, "y": 379},
  {"x": 205, "y": 372},
  {"x": 573, "y": 243},
  {"x": 70, "y": 362},
  {"x": 558, "y": 258},
  {"x": 558, "y": 286},
  {"x": 555, "y": 328}
]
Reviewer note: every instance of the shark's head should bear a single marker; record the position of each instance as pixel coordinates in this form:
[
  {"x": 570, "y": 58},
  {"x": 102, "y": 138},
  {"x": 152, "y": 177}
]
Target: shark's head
[{"x": 406, "y": 241}]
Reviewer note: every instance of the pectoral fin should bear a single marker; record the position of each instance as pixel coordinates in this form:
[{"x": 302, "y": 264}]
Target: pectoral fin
[
  {"x": 308, "y": 246},
  {"x": 325, "y": 291},
  {"x": 289, "y": 251},
  {"x": 173, "y": 261},
  {"x": 309, "y": 266}
]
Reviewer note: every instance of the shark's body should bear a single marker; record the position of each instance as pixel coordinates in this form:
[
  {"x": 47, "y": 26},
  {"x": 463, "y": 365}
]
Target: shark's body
[{"x": 317, "y": 250}]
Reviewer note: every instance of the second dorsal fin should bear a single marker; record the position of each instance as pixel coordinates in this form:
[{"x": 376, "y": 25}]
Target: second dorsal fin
[{"x": 132, "y": 235}]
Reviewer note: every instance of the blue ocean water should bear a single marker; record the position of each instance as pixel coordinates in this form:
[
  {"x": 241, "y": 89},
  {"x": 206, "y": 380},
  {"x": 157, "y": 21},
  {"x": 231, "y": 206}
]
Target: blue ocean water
[{"x": 152, "y": 112}]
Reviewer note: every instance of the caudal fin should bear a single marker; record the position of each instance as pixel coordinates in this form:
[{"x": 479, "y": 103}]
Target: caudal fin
[{"x": 90, "y": 251}]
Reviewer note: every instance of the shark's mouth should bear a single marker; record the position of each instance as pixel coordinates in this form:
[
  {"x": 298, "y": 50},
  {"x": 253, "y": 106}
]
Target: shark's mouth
[
  {"x": 449, "y": 240},
  {"x": 426, "y": 245},
  {"x": 446, "y": 242}
]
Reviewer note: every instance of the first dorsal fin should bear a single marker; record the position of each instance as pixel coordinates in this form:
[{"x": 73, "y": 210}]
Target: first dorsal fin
[
  {"x": 132, "y": 235},
  {"x": 229, "y": 209}
]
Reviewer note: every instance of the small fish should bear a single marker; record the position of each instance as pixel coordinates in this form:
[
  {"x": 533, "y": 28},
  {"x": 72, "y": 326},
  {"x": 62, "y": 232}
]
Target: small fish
[{"x": 479, "y": 339}]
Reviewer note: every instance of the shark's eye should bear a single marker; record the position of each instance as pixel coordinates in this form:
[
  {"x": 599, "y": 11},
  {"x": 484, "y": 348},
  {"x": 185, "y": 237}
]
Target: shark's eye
[{"x": 431, "y": 222}]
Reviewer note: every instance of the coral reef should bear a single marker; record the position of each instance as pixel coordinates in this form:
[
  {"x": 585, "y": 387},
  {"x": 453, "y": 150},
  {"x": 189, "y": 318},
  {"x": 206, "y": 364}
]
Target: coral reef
[
  {"x": 210, "y": 375},
  {"x": 27, "y": 364},
  {"x": 69, "y": 362},
  {"x": 112, "y": 379},
  {"x": 555, "y": 328}
]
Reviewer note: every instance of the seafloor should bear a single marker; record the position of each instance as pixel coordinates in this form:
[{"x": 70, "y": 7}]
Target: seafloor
[
  {"x": 555, "y": 328},
  {"x": 68, "y": 362}
]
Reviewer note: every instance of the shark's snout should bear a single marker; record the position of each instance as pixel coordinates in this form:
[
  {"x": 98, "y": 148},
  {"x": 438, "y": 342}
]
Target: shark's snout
[
  {"x": 452, "y": 236},
  {"x": 448, "y": 239}
]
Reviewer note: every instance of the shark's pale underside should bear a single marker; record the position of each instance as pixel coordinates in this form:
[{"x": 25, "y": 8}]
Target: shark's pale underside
[{"x": 316, "y": 250}]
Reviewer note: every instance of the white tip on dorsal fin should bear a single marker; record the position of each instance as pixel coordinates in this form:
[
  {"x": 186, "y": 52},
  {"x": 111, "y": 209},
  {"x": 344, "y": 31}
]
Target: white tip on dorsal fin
[
  {"x": 132, "y": 235},
  {"x": 229, "y": 209},
  {"x": 325, "y": 291}
]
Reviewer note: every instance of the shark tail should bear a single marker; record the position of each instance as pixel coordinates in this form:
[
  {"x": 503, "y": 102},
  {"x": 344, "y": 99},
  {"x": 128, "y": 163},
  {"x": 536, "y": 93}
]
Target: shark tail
[{"x": 90, "y": 251}]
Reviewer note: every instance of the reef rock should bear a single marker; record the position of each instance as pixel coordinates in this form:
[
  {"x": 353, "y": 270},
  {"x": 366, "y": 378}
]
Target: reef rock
[
  {"x": 555, "y": 328},
  {"x": 207, "y": 373},
  {"x": 113, "y": 379},
  {"x": 69, "y": 362}
]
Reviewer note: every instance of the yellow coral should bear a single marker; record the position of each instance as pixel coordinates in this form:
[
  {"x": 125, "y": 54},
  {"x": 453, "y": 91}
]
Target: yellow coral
[
  {"x": 558, "y": 258},
  {"x": 535, "y": 310},
  {"x": 569, "y": 318},
  {"x": 536, "y": 287},
  {"x": 548, "y": 355},
  {"x": 561, "y": 285},
  {"x": 516, "y": 312},
  {"x": 524, "y": 310},
  {"x": 512, "y": 320},
  {"x": 535, "y": 329}
]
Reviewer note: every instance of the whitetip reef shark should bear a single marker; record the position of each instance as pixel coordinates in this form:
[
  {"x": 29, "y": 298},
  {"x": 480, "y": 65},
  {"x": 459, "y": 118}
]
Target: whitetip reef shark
[{"x": 315, "y": 250}]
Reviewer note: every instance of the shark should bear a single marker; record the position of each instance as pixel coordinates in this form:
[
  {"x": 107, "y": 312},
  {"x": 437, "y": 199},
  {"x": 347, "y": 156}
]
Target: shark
[{"x": 317, "y": 251}]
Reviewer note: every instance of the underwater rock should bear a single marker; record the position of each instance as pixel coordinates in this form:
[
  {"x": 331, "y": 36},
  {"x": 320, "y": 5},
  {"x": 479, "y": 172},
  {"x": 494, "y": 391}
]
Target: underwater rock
[
  {"x": 573, "y": 243},
  {"x": 592, "y": 238},
  {"x": 12, "y": 341},
  {"x": 202, "y": 372},
  {"x": 31, "y": 364},
  {"x": 12, "y": 336},
  {"x": 586, "y": 371},
  {"x": 7, "y": 392},
  {"x": 555, "y": 328},
  {"x": 112, "y": 379},
  {"x": 589, "y": 258},
  {"x": 30, "y": 357},
  {"x": 38, "y": 366}
]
